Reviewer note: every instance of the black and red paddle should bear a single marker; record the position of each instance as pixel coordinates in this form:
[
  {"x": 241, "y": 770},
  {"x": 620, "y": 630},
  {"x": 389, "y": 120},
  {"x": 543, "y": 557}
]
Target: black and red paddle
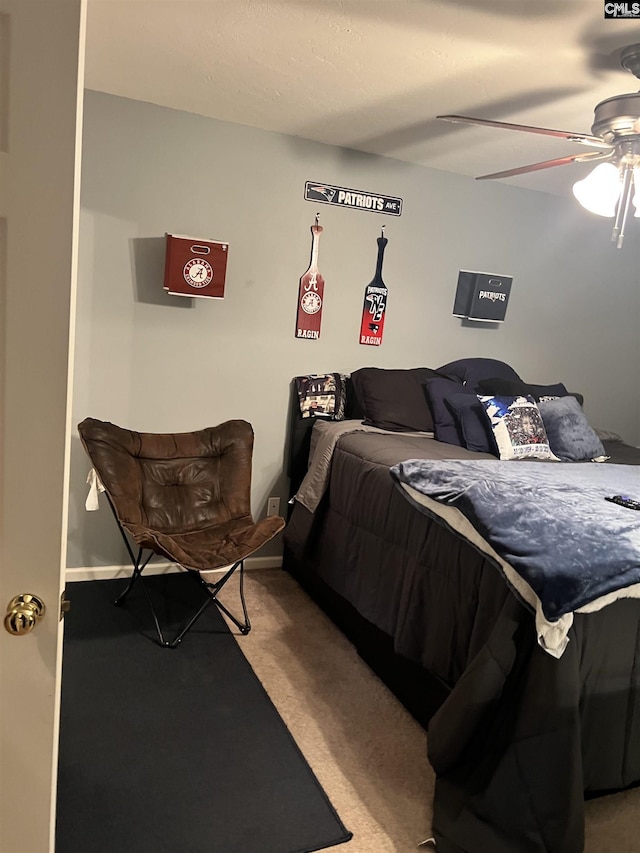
[
  {"x": 375, "y": 302},
  {"x": 311, "y": 293}
]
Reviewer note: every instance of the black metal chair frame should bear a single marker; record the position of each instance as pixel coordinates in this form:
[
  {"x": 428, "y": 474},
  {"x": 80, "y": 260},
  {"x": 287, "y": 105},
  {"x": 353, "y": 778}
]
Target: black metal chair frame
[{"x": 211, "y": 589}]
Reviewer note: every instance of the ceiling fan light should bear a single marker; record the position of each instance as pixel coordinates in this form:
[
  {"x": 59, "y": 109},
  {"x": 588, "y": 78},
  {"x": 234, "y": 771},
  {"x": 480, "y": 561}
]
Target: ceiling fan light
[
  {"x": 600, "y": 190},
  {"x": 636, "y": 196}
]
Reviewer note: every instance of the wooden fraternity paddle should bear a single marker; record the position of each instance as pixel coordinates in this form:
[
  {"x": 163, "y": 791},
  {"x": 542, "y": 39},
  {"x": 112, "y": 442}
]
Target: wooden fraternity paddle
[
  {"x": 311, "y": 293},
  {"x": 375, "y": 302}
]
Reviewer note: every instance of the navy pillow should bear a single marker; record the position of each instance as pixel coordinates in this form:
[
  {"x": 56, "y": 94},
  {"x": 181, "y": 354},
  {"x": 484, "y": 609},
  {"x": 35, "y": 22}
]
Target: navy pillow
[
  {"x": 517, "y": 387},
  {"x": 571, "y": 437},
  {"x": 471, "y": 370},
  {"x": 512, "y": 388},
  {"x": 472, "y": 423},
  {"x": 444, "y": 425}
]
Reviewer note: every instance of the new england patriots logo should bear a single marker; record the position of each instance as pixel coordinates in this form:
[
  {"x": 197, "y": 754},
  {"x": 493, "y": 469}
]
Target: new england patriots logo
[{"x": 320, "y": 192}]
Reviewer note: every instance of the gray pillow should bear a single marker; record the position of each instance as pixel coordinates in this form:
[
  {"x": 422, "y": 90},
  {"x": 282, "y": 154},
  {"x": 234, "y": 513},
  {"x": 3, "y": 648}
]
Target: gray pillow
[{"x": 570, "y": 435}]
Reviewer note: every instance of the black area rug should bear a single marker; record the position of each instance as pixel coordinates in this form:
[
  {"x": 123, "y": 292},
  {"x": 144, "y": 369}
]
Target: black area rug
[{"x": 175, "y": 750}]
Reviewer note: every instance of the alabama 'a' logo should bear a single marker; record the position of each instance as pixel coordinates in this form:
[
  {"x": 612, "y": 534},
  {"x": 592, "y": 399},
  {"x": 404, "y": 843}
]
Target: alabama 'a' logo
[{"x": 197, "y": 272}]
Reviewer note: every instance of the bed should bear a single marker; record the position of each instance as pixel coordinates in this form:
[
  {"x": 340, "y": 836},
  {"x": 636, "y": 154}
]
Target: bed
[{"x": 518, "y": 734}]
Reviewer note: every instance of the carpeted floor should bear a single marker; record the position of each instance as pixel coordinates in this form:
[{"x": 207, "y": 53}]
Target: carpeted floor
[
  {"x": 175, "y": 750},
  {"x": 367, "y": 751}
]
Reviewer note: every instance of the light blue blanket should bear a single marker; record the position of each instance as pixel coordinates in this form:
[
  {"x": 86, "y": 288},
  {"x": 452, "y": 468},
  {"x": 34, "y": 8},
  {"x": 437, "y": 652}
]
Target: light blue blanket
[{"x": 549, "y": 520}]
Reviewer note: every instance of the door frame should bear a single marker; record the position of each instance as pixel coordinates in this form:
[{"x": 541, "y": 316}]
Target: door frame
[{"x": 42, "y": 43}]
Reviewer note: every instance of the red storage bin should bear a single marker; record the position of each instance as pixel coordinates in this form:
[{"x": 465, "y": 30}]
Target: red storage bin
[{"x": 195, "y": 267}]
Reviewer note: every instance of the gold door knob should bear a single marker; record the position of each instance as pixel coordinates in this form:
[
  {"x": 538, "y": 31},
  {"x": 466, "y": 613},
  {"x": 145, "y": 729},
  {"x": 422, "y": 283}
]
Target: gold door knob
[{"x": 23, "y": 614}]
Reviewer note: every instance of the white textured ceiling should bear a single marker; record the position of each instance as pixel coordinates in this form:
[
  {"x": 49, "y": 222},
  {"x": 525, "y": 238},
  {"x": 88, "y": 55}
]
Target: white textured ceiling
[{"x": 373, "y": 74}]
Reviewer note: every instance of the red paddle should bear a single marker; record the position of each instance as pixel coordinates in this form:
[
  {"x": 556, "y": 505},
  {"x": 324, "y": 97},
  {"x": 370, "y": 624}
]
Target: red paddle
[
  {"x": 311, "y": 293},
  {"x": 375, "y": 302}
]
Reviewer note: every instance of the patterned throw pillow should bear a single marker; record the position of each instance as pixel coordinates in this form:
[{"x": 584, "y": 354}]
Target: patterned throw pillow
[
  {"x": 321, "y": 395},
  {"x": 517, "y": 427}
]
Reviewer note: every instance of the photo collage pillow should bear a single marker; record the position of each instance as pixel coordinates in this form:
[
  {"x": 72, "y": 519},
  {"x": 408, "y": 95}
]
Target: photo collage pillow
[{"x": 517, "y": 427}]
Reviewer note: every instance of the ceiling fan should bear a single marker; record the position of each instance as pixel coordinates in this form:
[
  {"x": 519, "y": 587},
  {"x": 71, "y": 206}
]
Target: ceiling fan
[{"x": 615, "y": 134}]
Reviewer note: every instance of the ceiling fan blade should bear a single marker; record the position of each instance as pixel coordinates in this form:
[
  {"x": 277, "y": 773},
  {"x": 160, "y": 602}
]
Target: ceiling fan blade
[
  {"x": 547, "y": 164},
  {"x": 581, "y": 138}
]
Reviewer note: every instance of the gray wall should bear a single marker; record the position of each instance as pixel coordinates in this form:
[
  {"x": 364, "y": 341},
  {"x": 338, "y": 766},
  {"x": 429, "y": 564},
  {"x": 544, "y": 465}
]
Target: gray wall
[{"x": 158, "y": 363}]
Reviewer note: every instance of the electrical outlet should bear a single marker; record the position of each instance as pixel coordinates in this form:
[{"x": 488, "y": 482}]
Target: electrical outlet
[{"x": 273, "y": 506}]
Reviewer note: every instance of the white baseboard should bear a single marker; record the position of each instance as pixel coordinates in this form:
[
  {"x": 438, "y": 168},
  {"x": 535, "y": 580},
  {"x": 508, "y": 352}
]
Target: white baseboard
[{"x": 93, "y": 573}]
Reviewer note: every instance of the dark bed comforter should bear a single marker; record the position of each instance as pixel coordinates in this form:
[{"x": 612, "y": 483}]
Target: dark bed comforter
[{"x": 521, "y": 736}]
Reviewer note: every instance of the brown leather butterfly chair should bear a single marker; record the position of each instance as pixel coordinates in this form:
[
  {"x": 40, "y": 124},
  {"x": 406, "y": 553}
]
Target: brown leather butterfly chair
[{"x": 184, "y": 496}]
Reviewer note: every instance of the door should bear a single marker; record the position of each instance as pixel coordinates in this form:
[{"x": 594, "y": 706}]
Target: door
[{"x": 41, "y": 87}]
